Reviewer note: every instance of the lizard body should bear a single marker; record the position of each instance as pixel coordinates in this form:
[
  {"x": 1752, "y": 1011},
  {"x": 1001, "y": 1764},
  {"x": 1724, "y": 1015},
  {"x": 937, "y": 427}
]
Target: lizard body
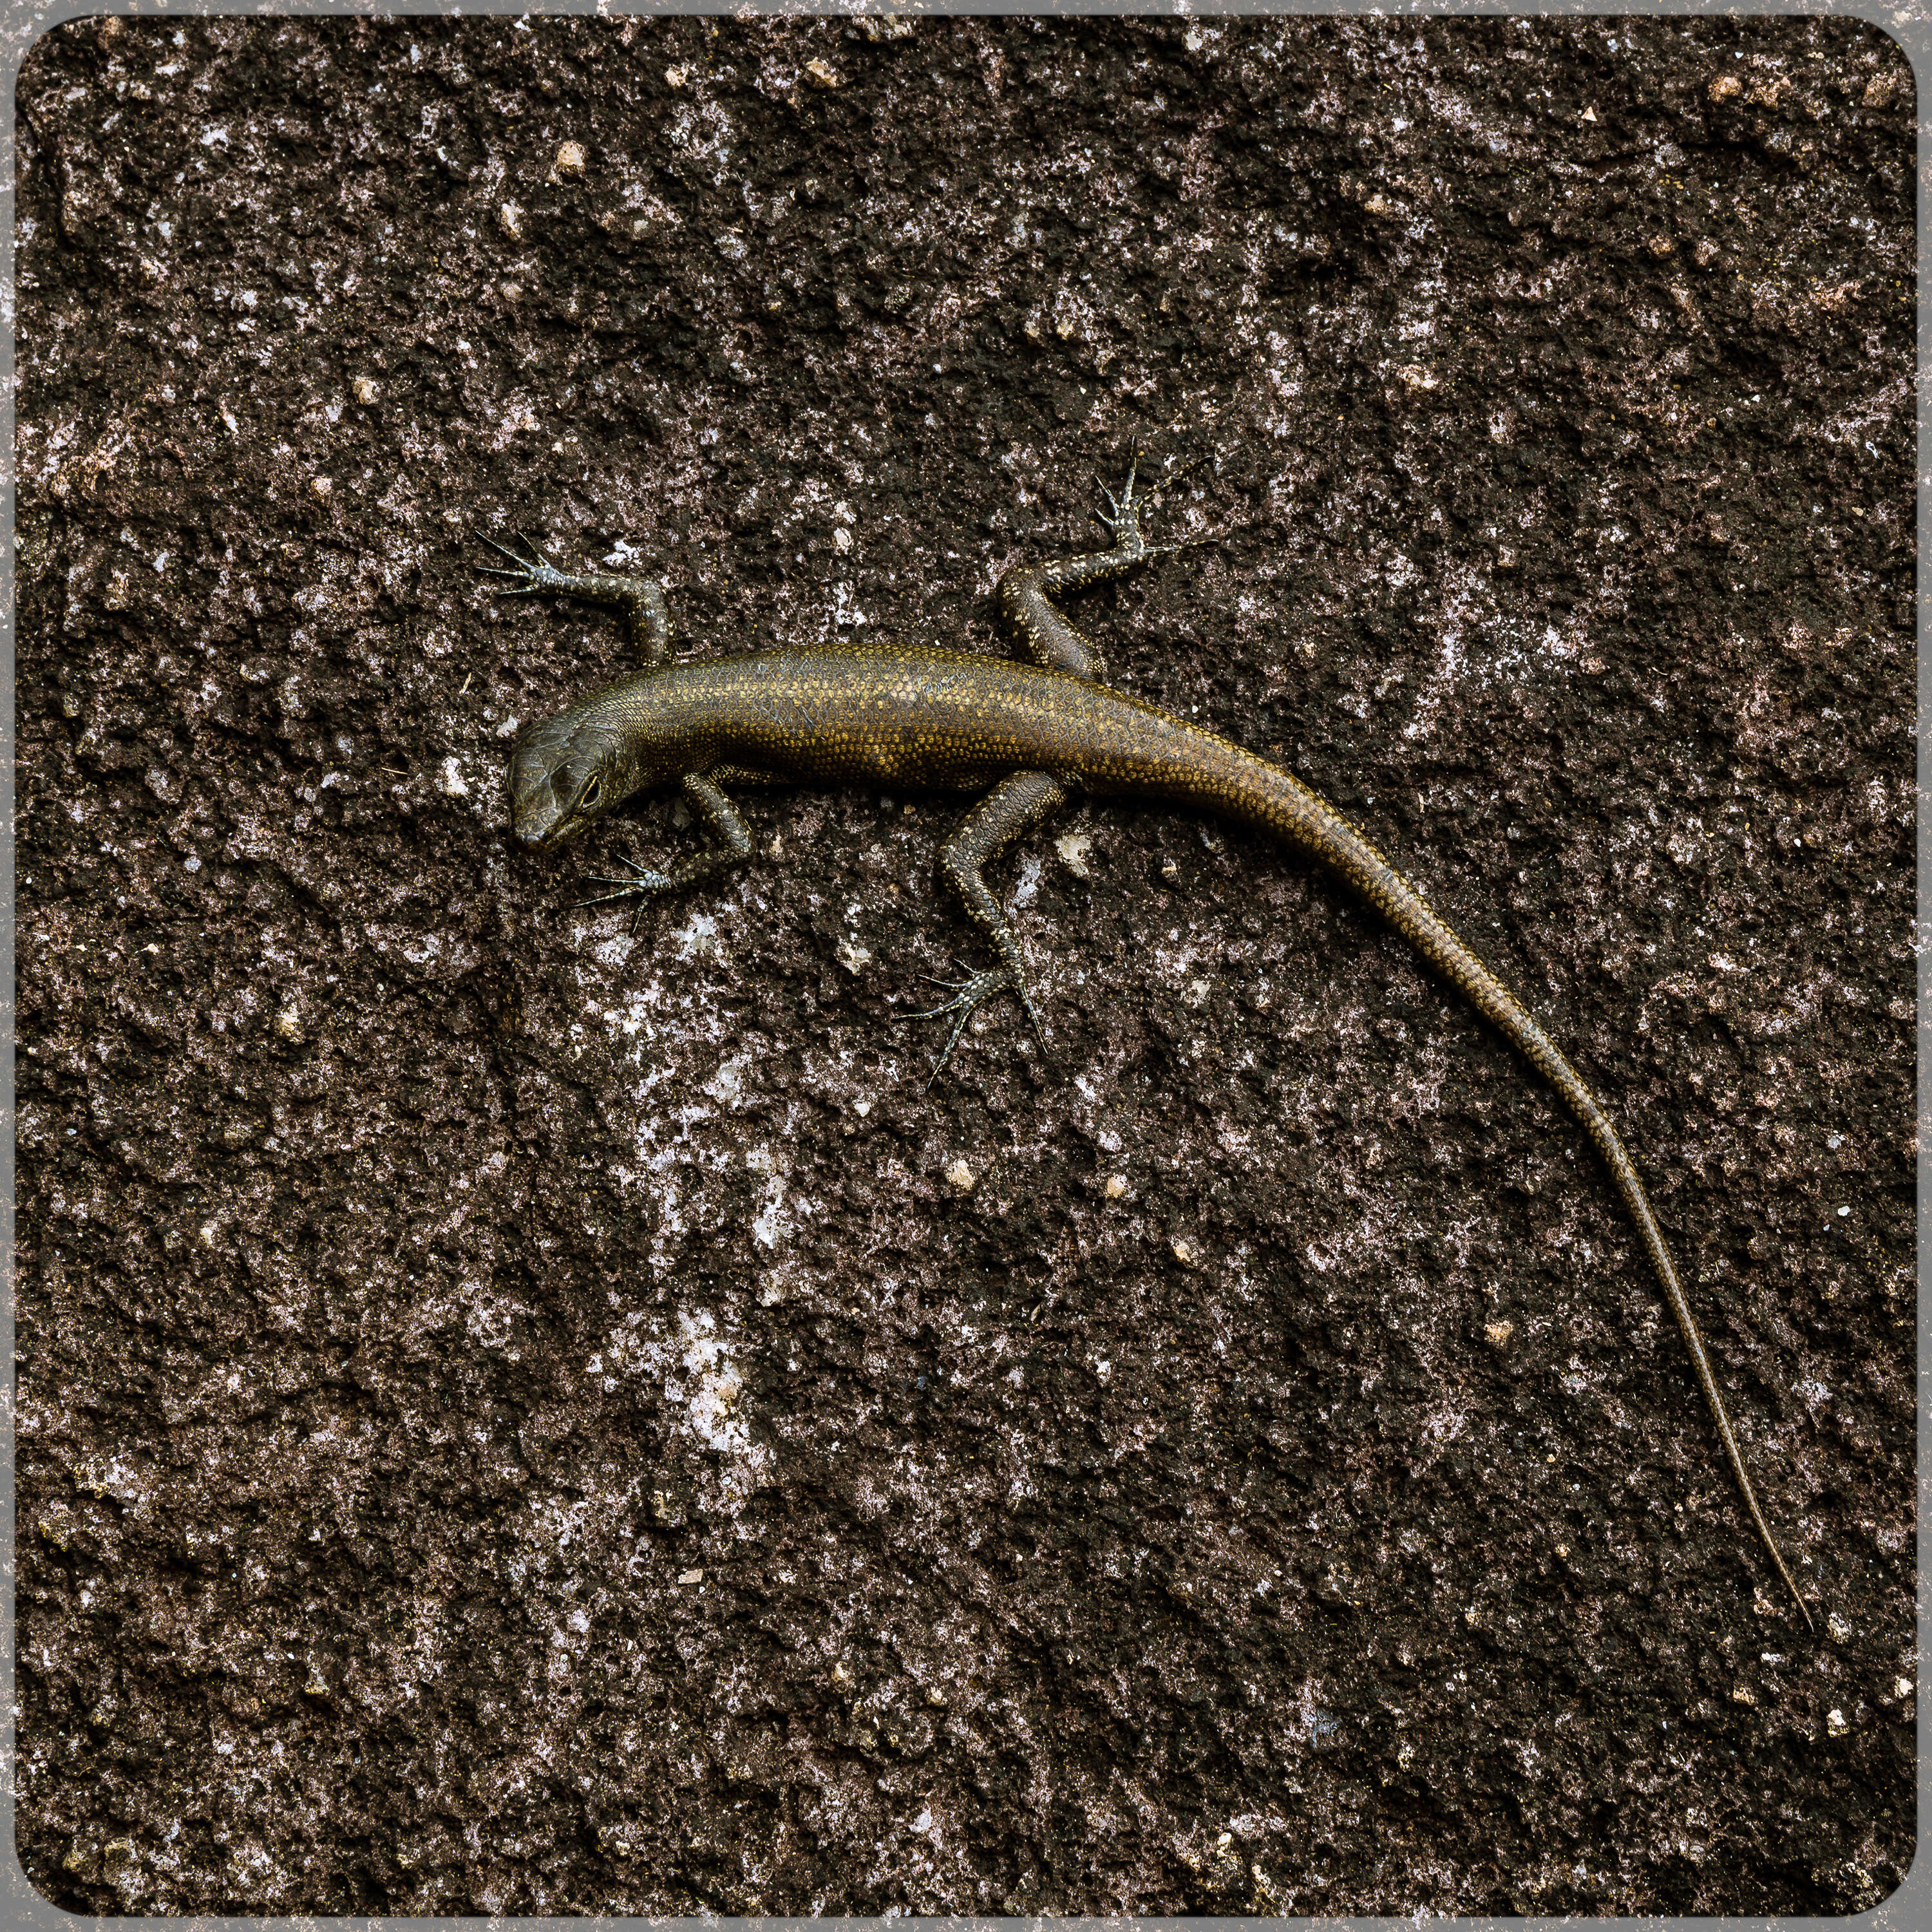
[{"x": 913, "y": 717}]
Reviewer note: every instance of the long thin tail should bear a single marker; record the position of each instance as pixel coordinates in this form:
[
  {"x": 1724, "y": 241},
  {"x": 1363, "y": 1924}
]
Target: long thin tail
[{"x": 1275, "y": 801}]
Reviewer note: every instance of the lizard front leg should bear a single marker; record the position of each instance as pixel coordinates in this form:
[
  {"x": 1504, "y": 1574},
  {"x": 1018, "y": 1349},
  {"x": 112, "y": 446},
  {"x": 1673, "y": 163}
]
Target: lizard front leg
[
  {"x": 647, "y": 882},
  {"x": 1014, "y": 806},
  {"x": 641, "y": 599}
]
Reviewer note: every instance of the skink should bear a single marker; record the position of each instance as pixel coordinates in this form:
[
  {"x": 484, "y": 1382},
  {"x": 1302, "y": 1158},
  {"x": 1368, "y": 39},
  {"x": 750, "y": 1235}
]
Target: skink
[{"x": 1023, "y": 737}]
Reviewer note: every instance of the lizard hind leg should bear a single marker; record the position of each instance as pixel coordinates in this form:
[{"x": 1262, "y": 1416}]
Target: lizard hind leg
[
  {"x": 1015, "y": 805},
  {"x": 1025, "y": 593},
  {"x": 1124, "y": 526},
  {"x": 966, "y": 994}
]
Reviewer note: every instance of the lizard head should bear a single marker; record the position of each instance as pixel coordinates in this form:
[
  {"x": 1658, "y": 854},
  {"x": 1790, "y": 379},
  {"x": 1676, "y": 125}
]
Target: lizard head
[{"x": 567, "y": 772}]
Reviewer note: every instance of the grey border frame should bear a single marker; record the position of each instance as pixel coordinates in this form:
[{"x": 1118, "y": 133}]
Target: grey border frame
[{"x": 22, "y": 23}]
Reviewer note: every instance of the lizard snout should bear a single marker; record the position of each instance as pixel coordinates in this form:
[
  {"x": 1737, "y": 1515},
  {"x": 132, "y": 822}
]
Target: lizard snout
[{"x": 538, "y": 816}]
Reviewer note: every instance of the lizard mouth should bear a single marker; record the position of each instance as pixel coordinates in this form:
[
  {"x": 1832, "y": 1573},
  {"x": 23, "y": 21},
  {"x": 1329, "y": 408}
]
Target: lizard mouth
[{"x": 539, "y": 825}]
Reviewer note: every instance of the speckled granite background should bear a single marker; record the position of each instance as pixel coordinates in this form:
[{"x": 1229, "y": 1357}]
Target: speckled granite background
[{"x": 520, "y": 1415}]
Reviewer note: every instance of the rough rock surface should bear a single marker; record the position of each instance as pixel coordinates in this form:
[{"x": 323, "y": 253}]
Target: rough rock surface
[{"x": 519, "y": 1414}]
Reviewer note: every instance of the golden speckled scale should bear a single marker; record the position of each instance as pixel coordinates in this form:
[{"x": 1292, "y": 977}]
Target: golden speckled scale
[{"x": 911, "y": 717}]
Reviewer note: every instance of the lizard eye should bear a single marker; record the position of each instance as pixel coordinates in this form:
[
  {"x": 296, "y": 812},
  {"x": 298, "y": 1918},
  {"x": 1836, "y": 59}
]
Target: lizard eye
[{"x": 588, "y": 798}]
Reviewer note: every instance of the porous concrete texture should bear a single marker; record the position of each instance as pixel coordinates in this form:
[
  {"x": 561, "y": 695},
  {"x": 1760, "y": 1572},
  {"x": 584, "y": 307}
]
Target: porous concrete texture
[{"x": 523, "y": 1412}]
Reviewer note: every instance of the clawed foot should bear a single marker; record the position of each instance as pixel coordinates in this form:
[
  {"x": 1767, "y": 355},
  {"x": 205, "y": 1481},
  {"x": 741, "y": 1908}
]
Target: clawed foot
[
  {"x": 966, "y": 994},
  {"x": 532, "y": 571},
  {"x": 643, "y": 882},
  {"x": 1124, "y": 524}
]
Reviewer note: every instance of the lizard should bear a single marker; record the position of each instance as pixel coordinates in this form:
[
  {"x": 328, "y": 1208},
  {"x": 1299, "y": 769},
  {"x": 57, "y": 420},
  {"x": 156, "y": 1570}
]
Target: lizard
[{"x": 1023, "y": 737}]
